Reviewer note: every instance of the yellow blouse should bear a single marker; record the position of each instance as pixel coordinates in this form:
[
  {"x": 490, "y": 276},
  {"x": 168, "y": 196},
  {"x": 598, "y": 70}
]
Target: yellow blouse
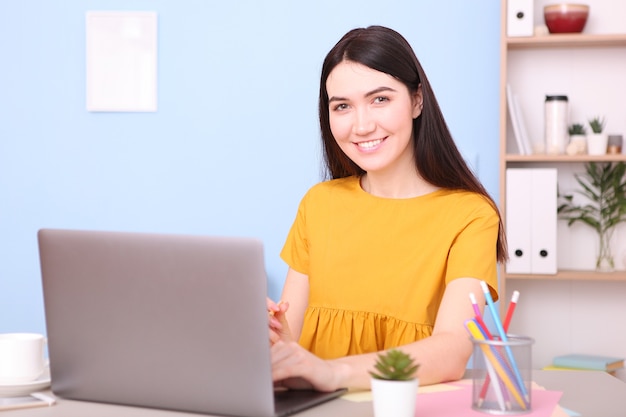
[{"x": 378, "y": 267}]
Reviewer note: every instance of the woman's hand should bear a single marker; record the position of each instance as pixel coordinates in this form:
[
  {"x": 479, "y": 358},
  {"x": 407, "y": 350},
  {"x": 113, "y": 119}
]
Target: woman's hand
[
  {"x": 297, "y": 368},
  {"x": 278, "y": 325}
]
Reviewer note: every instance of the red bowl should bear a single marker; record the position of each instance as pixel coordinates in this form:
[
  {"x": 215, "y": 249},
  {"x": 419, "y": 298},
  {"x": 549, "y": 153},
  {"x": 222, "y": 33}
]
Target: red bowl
[{"x": 566, "y": 17}]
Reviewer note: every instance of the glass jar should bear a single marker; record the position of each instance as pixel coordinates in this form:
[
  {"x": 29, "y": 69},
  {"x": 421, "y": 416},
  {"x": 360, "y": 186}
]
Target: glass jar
[
  {"x": 615, "y": 144},
  {"x": 556, "y": 115}
]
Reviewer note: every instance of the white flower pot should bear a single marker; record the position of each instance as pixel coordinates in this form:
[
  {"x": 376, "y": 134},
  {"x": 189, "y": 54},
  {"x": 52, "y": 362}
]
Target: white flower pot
[
  {"x": 597, "y": 143},
  {"x": 394, "y": 398},
  {"x": 577, "y": 145}
]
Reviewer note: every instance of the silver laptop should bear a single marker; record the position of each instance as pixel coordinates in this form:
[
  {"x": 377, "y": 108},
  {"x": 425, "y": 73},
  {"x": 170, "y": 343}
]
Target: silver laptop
[{"x": 164, "y": 321}]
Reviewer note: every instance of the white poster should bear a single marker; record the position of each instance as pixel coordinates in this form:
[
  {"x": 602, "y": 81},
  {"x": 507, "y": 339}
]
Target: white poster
[{"x": 121, "y": 61}]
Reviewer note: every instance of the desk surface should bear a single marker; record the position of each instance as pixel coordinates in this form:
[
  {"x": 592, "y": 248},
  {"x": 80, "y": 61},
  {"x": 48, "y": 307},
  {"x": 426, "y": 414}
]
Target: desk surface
[{"x": 589, "y": 393}]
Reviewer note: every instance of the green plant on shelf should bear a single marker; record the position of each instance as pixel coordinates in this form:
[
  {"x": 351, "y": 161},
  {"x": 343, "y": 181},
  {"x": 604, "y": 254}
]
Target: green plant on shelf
[
  {"x": 597, "y": 124},
  {"x": 603, "y": 185},
  {"x": 577, "y": 129}
]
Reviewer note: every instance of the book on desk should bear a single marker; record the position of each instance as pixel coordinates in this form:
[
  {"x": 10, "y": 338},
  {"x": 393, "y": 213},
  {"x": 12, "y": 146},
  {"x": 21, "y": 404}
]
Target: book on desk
[{"x": 580, "y": 361}]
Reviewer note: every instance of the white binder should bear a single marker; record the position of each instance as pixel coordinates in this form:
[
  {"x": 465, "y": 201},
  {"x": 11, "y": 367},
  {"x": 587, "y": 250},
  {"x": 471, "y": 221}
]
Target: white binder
[
  {"x": 531, "y": 220},
  {"x": 519, "y": 18}
]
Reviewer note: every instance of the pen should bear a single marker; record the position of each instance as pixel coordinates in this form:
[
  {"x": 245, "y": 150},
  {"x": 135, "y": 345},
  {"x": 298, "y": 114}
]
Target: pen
[
  {"x": 43, "y": 397},
  {"x": 497, "y": 362},
  {"x": 503, "y": 336}
]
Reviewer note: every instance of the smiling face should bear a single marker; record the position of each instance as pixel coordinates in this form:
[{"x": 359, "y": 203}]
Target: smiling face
[{"x": 371, "y": 117}]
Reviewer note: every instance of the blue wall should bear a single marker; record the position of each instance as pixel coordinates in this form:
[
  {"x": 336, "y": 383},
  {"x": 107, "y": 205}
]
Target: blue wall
[{"x": 234, "y": 144}]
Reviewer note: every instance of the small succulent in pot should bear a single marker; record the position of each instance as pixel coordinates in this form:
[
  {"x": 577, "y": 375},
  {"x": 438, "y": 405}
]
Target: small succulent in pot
[
  {"x": 597, "y": 124},
  {"x": 578, "y": 139},
  {"x": 395, "y": 365},
  {"x": 394, "y": 384},
  {"x": 577, "y": 129}
]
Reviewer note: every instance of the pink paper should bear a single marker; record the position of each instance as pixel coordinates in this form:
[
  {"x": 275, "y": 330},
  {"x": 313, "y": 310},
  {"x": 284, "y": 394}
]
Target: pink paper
[{"x": 458, "y": 403}]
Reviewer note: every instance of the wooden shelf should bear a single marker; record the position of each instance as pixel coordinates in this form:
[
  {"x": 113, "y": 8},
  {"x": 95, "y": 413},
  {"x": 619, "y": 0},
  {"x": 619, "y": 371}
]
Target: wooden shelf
[
  {"x": 565, "y": 158},
  {"x": 573, "y": 275},
  {"x": 567, "y": 40}
]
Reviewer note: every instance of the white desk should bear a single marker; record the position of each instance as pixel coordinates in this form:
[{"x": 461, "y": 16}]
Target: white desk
[{"x": 590, "y": 393}]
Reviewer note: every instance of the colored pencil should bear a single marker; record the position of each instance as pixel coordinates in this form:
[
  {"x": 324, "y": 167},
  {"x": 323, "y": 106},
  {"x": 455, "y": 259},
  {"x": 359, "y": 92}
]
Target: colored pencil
[
  {"x": 478, "y": 316},
  {"x": 485, "y": 330},
  {"x": 510, "y": 310}
]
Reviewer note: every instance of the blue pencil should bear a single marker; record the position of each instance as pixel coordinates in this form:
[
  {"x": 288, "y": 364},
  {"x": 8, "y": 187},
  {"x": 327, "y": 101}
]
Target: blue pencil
[{"x": 503, "y": 336}]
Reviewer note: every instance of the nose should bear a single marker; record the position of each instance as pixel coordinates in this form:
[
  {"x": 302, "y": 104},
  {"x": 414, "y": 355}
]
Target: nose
[{"x": 363, "y": 122}]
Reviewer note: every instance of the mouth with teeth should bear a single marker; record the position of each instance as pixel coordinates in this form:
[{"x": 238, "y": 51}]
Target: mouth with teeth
[{"x": 369, "y": 145}]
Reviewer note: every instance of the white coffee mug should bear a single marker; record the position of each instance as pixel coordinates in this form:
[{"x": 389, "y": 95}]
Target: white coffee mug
[{"x": 21, "y": 357}]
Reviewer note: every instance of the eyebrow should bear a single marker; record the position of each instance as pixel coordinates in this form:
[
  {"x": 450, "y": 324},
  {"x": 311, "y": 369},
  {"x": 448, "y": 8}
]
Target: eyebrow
[{"x": 368, "y": 94}]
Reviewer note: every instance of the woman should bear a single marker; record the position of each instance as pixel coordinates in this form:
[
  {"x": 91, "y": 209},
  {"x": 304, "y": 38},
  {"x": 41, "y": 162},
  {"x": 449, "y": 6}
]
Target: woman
[{"x": 386, "y": 252}]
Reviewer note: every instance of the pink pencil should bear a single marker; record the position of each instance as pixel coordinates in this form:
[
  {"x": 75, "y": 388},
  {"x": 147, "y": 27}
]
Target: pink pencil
[
  {"x": 479, "y": 318},
  {"x": 481, "y": 324}
]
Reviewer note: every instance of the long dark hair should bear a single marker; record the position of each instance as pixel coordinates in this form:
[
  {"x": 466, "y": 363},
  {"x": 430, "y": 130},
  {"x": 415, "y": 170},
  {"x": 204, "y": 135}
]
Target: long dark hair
[{"x": 437, "y": 157}]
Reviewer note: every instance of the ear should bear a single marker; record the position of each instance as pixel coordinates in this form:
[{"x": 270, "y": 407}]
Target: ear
[{"x": 417, "y": 100}]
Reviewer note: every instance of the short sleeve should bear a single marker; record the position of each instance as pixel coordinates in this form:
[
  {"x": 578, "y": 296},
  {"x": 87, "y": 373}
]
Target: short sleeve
[
  {"x": 295, "y": 252},
  {"x": 473, "y": 253}
]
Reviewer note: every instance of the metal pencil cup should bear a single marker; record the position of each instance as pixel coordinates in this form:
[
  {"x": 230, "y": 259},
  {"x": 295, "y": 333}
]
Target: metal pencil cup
[{"x": 501, "y": 375}]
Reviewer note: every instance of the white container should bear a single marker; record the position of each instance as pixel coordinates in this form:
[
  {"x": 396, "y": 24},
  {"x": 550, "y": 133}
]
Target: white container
[
  {"x": 394, "y": 398},
  {"x": 597, "y": 143},
  {"x": 21, "y": 357},
  {"x": 556, "y": 115},
  {"x": 577, "y": 145}
]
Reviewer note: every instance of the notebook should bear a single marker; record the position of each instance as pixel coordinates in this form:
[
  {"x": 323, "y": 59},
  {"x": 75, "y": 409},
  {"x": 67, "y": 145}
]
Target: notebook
[
  {"x": 164, "y": 321},
  {"x": 587, "y": 361}
]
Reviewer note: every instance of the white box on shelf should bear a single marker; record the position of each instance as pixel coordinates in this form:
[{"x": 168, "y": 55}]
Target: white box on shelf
[
  {"x": 531, "y": 220},
  {"x": 519, "y": 18}
]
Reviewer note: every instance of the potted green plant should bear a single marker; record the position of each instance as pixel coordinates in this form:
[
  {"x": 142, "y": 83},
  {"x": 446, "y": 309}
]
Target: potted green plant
[
  {"x": 394, "y": 384},
  {"x": 577, "y": 139},
  {"x": 604, "y": 189},
  {"x": 597, "y": 141}
]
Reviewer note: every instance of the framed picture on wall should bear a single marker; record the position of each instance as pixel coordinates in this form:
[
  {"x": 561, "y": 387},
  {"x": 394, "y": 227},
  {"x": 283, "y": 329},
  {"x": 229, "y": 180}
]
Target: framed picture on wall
[{"x": 121, "y": 61}]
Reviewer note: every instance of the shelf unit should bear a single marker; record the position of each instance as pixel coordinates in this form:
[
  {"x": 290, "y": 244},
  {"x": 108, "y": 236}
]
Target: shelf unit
[
  {"x": 566, "y": 41},
  {"x": 573, "y": 275},
  {"x": 539, "y": 46},
  {"x": 564, "y": 158}
]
